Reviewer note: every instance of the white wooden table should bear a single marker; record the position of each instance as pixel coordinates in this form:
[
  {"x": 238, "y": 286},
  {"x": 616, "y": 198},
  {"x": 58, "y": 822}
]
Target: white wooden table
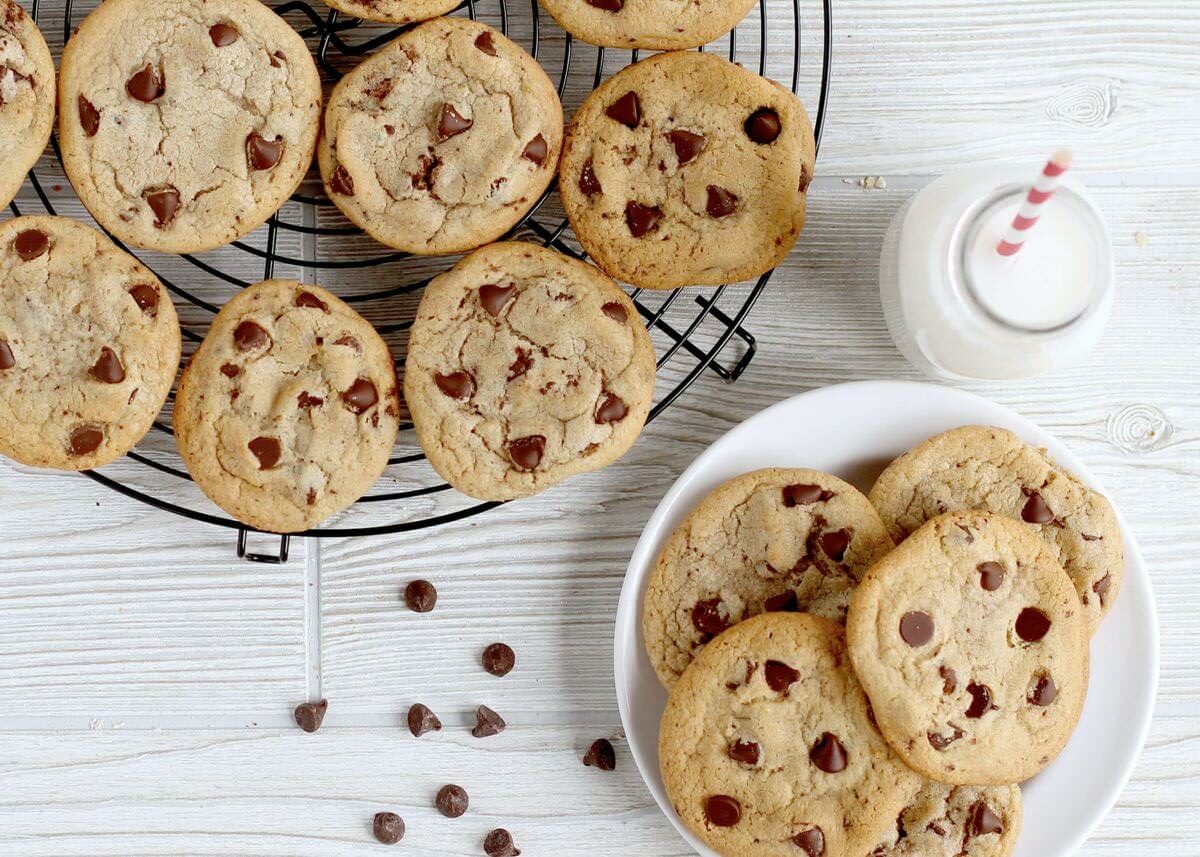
[{"x": 147, "y": 676}]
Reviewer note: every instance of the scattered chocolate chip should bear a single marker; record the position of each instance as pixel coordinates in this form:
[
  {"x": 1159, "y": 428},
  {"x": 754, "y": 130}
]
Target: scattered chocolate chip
[
  {"x": 805, "y": 178},
  {"x": 349, "y": 342},
  {"x": 499, "y": 659},
  {"x": 341, "y": 182},
  {"x": 146, "y": 85},
  {"x": 804, "y": 495},
  {"x": 484, "y": 43},
  {"x": 1043, "y": 691},
  {"x": 31, "y": 243},
  {"x": 223, "y": 35},
  {"x": 86, "y": 439},
  {"x": 452, "y": 801},
  {"x": 266, "y": 450},
  {"x": 451, "y": 122},
  {"x": 641, "y": 219},
  {"x": 707, "y": 617},
  {"x": 763, "y": 125},
  {"x": 309, "y": 715},
  {"x": 601, "y": 755},
  {"x": 627, "y": 110},
  {"x": 608, "y": 5},
  {"x": 311, "y": 301},
  {"x": 526, "y": 452},
  {"x": 784, "y": 602},
  {"x": 616, "y": 311},
  {"x": 536, "y": 150},
  {"x": 588, "y": 183},
  {"x": 1101, "y": 586},
  {"x": 834, "y": 543},
  {"x": 745, "y": 752},
  {"x": 306, "y": 401},
  {"x": 1032, "y": 624},
  {"x": 941, "y": 742},
  {"x": 495, "y": 298},
  {"x": 949, "y": 680},
  {"x": 686, "y": 144},
  {"x": 487, "y": 723},
  {"x": 248, "y": 335},
  {"x": 522, "y": 364},
  {"x": 916, "y": 628},
  {"x": 7, "y": 361},
  {"x": 610, "y": 410},
  {"x": 779, "y": 676},
  {"x": 991, "y": 575},
  {"x": 810, "y": 841},
  {"x": 261, "y": 153},
  {"x": 499, "y": 843},
  {"x": 164, "y": 202},
  {"x": 360, "y": 396},
  {"x": 388, "y": 827},
  {"x": 89, "y": 116},
  {"x": 828, "y": 754},
  {"x": 108, "y": 369},
  {"x": 984, "y": 820},
  {"x": 722, "y": 811},
  {"x": 981, "y": 700},
  {"x": 421, "y": 720},
  {"x": 420, "y": 596},
  {"x": 721, "y": 203},
  {"x": 146, "y": 298},
  {"x": 1036, "y": 511},
  {"x": 456, "y": 385}
]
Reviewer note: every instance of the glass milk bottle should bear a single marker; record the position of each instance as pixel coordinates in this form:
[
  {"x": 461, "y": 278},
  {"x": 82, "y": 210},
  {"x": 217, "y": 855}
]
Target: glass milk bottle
[{"x": 958, "y": 309}]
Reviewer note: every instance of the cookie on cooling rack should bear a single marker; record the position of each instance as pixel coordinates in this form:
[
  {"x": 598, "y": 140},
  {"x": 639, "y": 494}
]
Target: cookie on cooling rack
[
  {"x": 442, "y": 140},
  {"x": 89, "y": 345},
  {"x": 955, "y": 821},
  {"x": 394, "y": 11},
  {"x": 289, "y": 409},
  {"x": 525, "y": 367},
  {"x": 26, "y": 97},
  {"x": 185, "y": 125},
  {"x": 779, "y": 539},
  {"x": 687, "y": 169},
  {"x": 661, "y": 25}
]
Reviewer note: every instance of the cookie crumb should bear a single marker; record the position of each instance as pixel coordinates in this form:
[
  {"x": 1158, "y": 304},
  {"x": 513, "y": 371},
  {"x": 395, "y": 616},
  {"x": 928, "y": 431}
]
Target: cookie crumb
[
  {"x": 873, "y": 183},
  {"x": 1142, "y": 238}
]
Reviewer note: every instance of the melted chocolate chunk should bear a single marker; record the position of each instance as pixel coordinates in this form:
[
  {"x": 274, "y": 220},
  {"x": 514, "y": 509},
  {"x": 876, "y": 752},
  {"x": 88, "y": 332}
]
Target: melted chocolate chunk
[
  {"x": 610, "y": 410},
  {"x": 266, "y": 450},
  {"x": 341, "y": 182},
  {"x": 310, "y": 715},
  {"x": 261, "y": 153},
  {"x": 686, "y": 144},
  {"x": 834, "y": 543},
  {"x": 1036, "y": 510},
  {"x": 484, "y": 43},
  {"x": 456, "y": 385},
  {"x": 916, "y": 628},
  {"x": 387, "y": 827},
  {"x": 7, "y": 361},
  {"x": 707, "y": 617},
  {"x": 991, "y": 575},
  {"x": 721, "y": 203},
  {"x": 499, "y": 843},
  {"x": 421, "y": 720},
  {"x": 304, "y": 401},
  {"x": 452, "y": 801},
  {"x": 804, "y": 495},
  {"x": 608, "y": 5},
  {"x": 146, "y": 298},
  {"x": 981, "y": 700},
  {"x": 495, "y": 298},
  {"x": 1043, "y": 691},
  {"x": 1101, "y": 586},
  {"x": 31, "y": 243},
  {"x": 86, "y": 439},
  {"x": 811, "y": 841},
  {"x": 420, "y": 596},
  {"x": 780, "y": 676},
  {"x": 805, "y": 178},
  {"x": 108, "y": 369},
  {"x": 146, "y": 85},
  {"x": 536, "y": 150},
  {"x": 745, "y": 752},
  {"x": 828, "y": 754},
  {"x": 588, "y": 183},
  {"x": 164, "y": 202},
  {"x": 248, "y": 335},
  {"x": 1032, "y": 624},
  {"x": 941, "y": 742},
  {"x": 949, "y": 679},
  {"x": 601, "y": 755},
  {"x": 499, "y": 659},
  {"x": 784, "y": 602},
  {"x": 487, "y": 723},
  {"x": 616, "y": 311},
  {"x": 763, "y": 126},
  {"x": 311, "y": 301},
  {"x": 360, "y": 396},
  {"x": 984, "y": 820},
  {"x": 722, "y": 811},
  {"x": 526, "y": 452},
  {"x": 641, "y": 219},
  {"x": 627, "y": 110},
  {"x": 451, "y": 123},
  {"x": 89, "y": 116},
  {"x": 223, "y": 35}
]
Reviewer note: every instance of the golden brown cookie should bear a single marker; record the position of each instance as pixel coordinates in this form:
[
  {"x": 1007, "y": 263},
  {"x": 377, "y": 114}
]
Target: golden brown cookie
[{"x": 26, "y": 97}]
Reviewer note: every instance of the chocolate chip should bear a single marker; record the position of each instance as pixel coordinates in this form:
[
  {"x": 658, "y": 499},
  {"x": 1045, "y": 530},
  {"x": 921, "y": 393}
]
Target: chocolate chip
[
  {"x": 641, "y": 219},
  {"x": 763, "y": 125},
  {"x": 484, "y": 42},
  {"x": 828, "y": 754},
  {"x": 941, "y": 742},
  {"x": 804, "y": 495},
  {"x": 360, "y": 396},
  {"x": 722, "y": 811},
  {"x": 341, "y": 182},
  {"x": 834, "y": 543},
  {"x": 421, "y": 720},
  {"x": 608, "y": 5},
  {"x": 261, "y": 153},
  {"x": 984, "y": 820},
  {"x": 1036, "y": 511},
  {"x": 805, "y": 178},
  {"x": 991, "y": 575},
  {"x": 456, "y": 385},
  {"x": 420, "y": 596},
  {"x": 487, "y": 723},
  {"x": 588, "y": 183},
  {"x": 916, "y": 628},
  {"x": 686, "y": 144},
  {"x": 1043, "y": 691},
  {"x": 495, "y": 298},
  {"x": 164, "y": 202},
  {"x": 526, "y": 452},
  {"x": 810, "y": 841},
  {"x": 616, "y": 311},
  {"x": 305, "y": 401},
  {"x": 7, "y": 361},
  {"x": 146, "y": 298},
  {"x": 223, "y": 35},
  {"x": 388, "y": 827},
  {"x": 248, "y": 335},
  {"x": 499, "y": 843},
  {"x": 779, "y": 676},
  {"x": 707, "y": 617},
  {"x": 610, "y": 410},
  {"x": 601, "y": 755},
  {"x": 451, "y": 123},
  {"x": 146, "y": 85},
  {"x": 108, "y": 369},
  {"x": 981, "y": 700},
  {"x": 745, "y": 752},
  {"x": 721, "y": 203},
  {"x": 452, "y": 801},
  {"x": 499, "y": 659},
  {"x": 784, "y": 602},
  {"x": 86, "y": 439},
  {"x": 31, "y": 243},
  {"x": 627, "y": 110},
  {"x": 1101, "y": 586},
  {"x": 949, "y": 679},
  {"x": 89, "y": 116},
  {"x": 1032, "y": 624},
  {"x": 536, "y": 150},
  {"x": 266, "y": 450},
  {"x": 349, "y": 342},
  {"x": 310, "y": 715},
  {"x": 311, "y": 301}
]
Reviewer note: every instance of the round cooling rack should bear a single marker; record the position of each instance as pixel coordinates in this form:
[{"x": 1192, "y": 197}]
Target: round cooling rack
[{"x": 694, "y": 330}]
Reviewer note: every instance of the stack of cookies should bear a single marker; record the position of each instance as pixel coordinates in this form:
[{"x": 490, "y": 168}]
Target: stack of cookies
[
  {"x": 185, "y": 126},
  {"x": 857, "y": 675}
]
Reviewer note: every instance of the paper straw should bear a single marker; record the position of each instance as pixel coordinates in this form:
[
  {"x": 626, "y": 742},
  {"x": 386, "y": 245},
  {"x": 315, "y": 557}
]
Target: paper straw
[{"x": 1041, "y": 192}]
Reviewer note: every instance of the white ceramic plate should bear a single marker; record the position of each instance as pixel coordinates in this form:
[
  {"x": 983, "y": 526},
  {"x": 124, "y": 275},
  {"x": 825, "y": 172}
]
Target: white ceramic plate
[{"x": 854, "y": 430}]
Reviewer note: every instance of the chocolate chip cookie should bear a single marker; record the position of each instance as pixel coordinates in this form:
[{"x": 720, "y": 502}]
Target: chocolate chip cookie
[
  {"x": 26, "y": 97},
  {"x": 767, "y": 746},
  {"x": 185, "y": 125},
  {"x": 661, "y": 25},
  {"x": 89, "y": 345},
  {"x": 983, "y": 467},
  {"x": 525, "y": 367},
  {"x": 393, "y": 11},
  {"x": 956, "y": 821},
  {"x": 773, "y": 540},
  {"x": 289, "y": 409},
  {"x": 685, "y": 168},
  {"x": 973, "y": 648},
  {"x": 442, "y": 140}
]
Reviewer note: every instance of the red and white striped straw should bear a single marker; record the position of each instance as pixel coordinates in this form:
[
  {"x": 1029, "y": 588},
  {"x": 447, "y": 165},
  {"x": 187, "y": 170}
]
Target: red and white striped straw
[{"x": 1041, "y": 192}]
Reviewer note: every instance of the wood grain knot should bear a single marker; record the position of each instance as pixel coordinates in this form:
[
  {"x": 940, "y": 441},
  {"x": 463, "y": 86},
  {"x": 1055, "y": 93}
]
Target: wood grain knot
[
  {"x": 1139, "y": 429},
  {"x": 1091, "y": 103}
]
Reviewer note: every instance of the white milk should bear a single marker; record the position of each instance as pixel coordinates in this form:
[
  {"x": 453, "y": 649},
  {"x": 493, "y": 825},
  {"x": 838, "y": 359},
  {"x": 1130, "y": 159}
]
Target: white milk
[{"x": 958, "y": 309}]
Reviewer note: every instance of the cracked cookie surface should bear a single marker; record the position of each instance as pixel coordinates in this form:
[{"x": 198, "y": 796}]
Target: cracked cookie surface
[
  {"x": 767, "y": 746},
  {"x": 973, "y": 648},
  {"x": 89, "y": 345},
  {"x": 186, "y": 125},
  {"x": 289, "y": 409},
  {"x": 26, "y": 97},
  {"x": 778, "y": 539},
  {"x": 393, "y": 11},
  {"x": 661, "y": 25},
  {"x": 442, "y": 140},
  {"x": 525, "y": 367},
  {"x": 956, "y": 821},
  {"x": 983, "y": 467},
  {"x": 687, "y": 169}
]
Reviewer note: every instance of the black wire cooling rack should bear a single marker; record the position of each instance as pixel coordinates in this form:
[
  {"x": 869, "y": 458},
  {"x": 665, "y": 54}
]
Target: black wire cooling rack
[{"x": 694, "y": 330}]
